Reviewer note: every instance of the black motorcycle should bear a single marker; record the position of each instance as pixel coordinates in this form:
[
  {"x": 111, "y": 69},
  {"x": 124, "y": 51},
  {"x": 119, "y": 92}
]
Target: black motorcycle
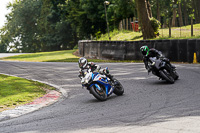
[{"x": 163, "y": 69}]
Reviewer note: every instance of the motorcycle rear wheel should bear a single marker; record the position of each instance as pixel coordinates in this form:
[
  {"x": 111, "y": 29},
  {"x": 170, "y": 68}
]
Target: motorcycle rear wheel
[
  {"x": 165, "y": 75},
  {"x": 98, "y": 94},
  {"x": 119, "y": 89}
]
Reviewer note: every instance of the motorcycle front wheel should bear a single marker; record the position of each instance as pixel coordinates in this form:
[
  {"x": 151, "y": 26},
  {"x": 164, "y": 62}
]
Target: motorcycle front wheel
[
  {"x": 119, "y": 89},
  {"x": 166, "y": 75},
  {"x": 98, "y": 92},
  {"x": 176, "y": 76}
]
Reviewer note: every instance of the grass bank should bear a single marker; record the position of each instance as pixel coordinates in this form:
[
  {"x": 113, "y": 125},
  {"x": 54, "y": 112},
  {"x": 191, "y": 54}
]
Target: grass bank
[
  {"x": 65, "y": 55},
  {"x": 183, "y": 32},
  {"x": 122, "y": 36},
  {"x": 55, "y": 56},
  {"x": 16, "y": 91}
]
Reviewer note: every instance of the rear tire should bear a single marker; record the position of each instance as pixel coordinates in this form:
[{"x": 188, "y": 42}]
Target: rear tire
[
  {"x": 165, "y": 75},
  {"x": 119, "y": 89},
  {"x": 98, "y": 94}
]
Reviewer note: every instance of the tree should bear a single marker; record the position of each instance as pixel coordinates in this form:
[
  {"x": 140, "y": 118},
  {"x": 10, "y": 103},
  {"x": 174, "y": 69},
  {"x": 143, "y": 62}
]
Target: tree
[
  {"x": 59, "y": 33},
  {"x": 47, "y": 25},
  {"x": 144, "y": 19},
  {"x": 121, "y": 9},
  {"x": 180, "y": 14},
  {"x": 158, "y": 9},
  {"x": 149, "y": 8},
  {"x": 185, "y": 12},
  {"x": 21, "y": 28},
  {"x": 174, "y": 13},
  {"x": 3, "y": 47},
  {"x": 37, "y": 26},
  {"x": 196, "y": 7}
]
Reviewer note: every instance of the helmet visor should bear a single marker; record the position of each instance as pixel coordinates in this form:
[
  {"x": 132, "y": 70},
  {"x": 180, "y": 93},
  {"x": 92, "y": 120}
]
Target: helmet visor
[
  {"x": 81, "y": 65},
  {"x": 144, "y": 52}
]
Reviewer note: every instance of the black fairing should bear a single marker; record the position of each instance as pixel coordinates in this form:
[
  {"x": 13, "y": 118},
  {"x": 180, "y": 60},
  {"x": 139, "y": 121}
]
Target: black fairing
[{"x": 156, "y": 65}]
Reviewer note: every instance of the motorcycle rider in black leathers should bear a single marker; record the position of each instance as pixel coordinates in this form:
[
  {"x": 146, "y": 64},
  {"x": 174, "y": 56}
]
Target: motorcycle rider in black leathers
[
  {"x": 84, "y": 64},
  {"x": 147, "y": 53}
]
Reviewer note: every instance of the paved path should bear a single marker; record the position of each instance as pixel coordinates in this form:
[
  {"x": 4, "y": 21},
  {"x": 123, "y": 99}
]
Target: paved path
[
  {"x": 2, "y": 55},
  {"x": 148, "y": 105}
]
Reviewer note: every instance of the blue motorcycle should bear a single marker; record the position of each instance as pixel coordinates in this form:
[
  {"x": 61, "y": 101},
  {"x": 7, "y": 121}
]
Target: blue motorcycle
[{"x": 101, "y": 86}]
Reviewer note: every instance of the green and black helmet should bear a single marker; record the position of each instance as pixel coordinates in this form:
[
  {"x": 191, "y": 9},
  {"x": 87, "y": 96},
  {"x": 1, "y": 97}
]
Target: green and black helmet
[{"x": 144, "y": 50}]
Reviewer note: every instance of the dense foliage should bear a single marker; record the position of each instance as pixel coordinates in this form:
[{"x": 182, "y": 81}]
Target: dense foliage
[
  {"x": 156, "y": 25},
  {"x": 49, "y": 25}
]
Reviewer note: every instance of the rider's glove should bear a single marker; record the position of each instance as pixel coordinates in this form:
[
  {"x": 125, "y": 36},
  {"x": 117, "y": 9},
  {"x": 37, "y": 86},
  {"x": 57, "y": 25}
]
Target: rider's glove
[
  {"x": 162, "y": 58},
  {"x": 106, "y": 71},
  {"x": 82, "y": 81}
]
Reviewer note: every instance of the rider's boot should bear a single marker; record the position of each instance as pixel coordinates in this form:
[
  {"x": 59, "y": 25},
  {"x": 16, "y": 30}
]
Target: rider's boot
[{"x": 110, "y": 77}]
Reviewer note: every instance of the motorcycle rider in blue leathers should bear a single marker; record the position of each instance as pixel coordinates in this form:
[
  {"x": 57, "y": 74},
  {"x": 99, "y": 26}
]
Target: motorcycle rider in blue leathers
[{"x": 84, "y": 64}]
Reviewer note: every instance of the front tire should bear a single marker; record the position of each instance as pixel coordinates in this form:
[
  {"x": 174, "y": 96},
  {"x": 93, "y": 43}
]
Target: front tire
[
  {"x": 98, "y": 94},
  {"x": 119, "y": 89},
  {"x": 165, "y": 75},
  {"x": 176, "y": 76}
]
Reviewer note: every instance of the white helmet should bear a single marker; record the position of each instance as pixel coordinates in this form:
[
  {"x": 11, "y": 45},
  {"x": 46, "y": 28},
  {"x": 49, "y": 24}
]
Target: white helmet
[{"x": 82, "y": 62}]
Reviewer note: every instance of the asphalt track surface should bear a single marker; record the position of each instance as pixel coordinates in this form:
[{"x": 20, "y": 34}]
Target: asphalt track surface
[{"x": 147, "y": 106}]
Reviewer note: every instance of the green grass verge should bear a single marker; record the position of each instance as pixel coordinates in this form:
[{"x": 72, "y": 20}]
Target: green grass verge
[
  {"x": 60, "y": 56},
  {"x": 183, "y": 32},
  {"x": 122, "y": 36},
  {"x": 16, "y": 91},
  {"x": 56, "y": 56},
  {"x": 45, "y": 56}
]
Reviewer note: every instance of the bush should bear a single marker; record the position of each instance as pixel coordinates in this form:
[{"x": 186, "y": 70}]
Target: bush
[{"x": 156, "y": 25}]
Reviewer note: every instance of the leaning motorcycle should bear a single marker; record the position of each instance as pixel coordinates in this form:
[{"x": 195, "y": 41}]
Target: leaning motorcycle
[
  {"x": 163, "y": 69},
  {"x": 101, "y": 86}
]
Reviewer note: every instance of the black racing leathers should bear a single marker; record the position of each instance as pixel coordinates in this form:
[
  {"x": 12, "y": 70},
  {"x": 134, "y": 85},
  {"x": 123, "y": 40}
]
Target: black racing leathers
[
  {"x": 152, "y": 53},
  {"x": 93, "y": 67}
]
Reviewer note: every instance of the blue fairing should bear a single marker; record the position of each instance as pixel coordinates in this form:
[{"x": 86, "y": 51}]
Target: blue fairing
[
  {"x": 94, "y": 75},
  {"x": 103, "y": 82}
]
